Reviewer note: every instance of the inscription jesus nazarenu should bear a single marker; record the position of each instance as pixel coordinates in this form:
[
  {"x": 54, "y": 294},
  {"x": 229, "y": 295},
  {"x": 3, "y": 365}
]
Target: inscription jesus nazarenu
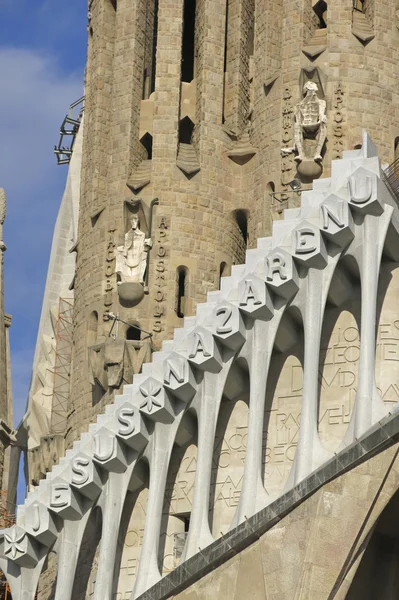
[{"x": 338, "y": 379}]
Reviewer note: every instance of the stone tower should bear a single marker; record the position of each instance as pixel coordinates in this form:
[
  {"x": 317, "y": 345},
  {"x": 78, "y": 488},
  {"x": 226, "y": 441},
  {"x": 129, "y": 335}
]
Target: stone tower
[
  {"x": 204, "y": 119},
  {"x": 196, "y": 112},
  {"x": 271, "y": 412}
]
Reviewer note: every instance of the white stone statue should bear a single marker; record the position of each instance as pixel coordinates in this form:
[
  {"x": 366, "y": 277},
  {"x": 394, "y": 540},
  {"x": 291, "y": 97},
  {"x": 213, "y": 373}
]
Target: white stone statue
[
  {"x": 131, "y": 258},
  {"x": 310, "y": 124}
]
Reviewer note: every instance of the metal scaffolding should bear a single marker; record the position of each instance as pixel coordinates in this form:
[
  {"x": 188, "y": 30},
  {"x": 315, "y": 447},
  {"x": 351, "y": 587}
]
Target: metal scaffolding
[
  {"x": 69, "y": 129},
  {"x": 62, "y": 365}
]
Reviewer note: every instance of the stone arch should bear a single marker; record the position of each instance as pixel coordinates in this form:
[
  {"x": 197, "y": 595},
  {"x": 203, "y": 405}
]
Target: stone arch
[
  {"x": 339, "y": 354},
  {"x": 178, "y": 493},
  {"x": 86, "y": 571},
  {"x": 283, "y": 403},
  {"x": 229, "y": 449},
  {"x": 130, "y": 536}
]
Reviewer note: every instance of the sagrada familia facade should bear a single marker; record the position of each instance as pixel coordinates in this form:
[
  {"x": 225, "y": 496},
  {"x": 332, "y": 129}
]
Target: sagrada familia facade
[{"x": 213, "y": 410}]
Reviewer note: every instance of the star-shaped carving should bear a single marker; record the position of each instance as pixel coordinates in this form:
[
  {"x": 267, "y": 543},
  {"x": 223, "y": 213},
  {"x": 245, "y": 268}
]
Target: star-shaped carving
[
  {"x": 14, "y": 541},
  {"x": 150, "y": 392}
]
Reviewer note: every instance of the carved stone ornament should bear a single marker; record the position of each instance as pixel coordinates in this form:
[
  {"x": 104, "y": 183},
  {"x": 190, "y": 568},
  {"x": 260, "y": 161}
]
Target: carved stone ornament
[
  {"x": 85, "y": 476},
  {"x": 18, "y": 547},
  {"x": 203, "y": 351},
  {"x": 39, "y": 523},
  {"x": 178, "y": 377},
  {"x": 310, "y": 130},
  {"x": 108, "y": 452},
  {"x": 65, "y": 501},
  {"x": 254, "y": 298},
  {"x": 281, "y": 274},
  {"x": 130, "y": 264},
  {"x": 229, "y": 327},
  {"x": 154, "y": 402},
  {"x": 131, "y": 258}
]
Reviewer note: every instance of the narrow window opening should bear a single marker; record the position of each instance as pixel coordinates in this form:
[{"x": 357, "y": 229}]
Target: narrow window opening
[
  {"x": 224, "y": 271},
  {"x": 396, "y": 148},
  {"x": 133, "y": 333},
  {"x": 186, "y": 128},
  {"x": 359, "y": 5},
  {"x": 242, "y": 222},
  {"x": 321, "y": 11},
  {"x": 146, "y": 141},
  {"x": 97, "y": 393},
  {"x": 181, "y": 286},
  {"x": 226, "y": 30},
  {"x": 92, "y": 328},
  {"x": 188, "y": 48},
  {"x": 146, "y": 83},
  {"x": 114, "y": 4},
  {"x": 154, "y": 47}
]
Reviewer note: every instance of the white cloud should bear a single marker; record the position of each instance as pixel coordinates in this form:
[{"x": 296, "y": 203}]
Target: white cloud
[{"x": 34, "y": 98}]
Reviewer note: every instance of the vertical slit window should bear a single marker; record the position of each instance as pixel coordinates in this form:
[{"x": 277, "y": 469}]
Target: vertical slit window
[
  {"x": 154, "y": 47},
  {"x": 188, "y": 46},
  {"x": 226, "y": 29},
  {"x": 92, "y": 328},
  {"x": 181, "y": 291}
]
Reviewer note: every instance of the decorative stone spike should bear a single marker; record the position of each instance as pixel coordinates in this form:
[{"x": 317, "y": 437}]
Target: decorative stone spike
[
  {"x": 141, "y": 177},
  {"x": 187, "y": 160},
  {"x": 243, "y": 150}
]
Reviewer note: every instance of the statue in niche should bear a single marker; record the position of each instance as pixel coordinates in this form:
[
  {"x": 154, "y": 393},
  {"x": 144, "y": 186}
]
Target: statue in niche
[
  {"x": 131, "y": 258},
  {"x": 310, "y": 127}
]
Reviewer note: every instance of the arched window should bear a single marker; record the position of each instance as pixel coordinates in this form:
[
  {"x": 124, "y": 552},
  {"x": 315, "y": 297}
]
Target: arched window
[
  {"x": 224, "y": 270},
  {"x": 181, "y": 291},
  {"x": 92, "y": 328},
  {"x": 133, "y": 333}
]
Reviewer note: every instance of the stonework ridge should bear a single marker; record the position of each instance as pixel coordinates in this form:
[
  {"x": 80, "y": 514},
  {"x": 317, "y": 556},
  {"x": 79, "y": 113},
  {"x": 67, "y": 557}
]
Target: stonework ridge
[{"x": 337, "y": 247}]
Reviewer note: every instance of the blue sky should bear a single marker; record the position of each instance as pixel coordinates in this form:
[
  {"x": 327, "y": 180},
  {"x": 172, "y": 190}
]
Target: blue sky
[{"x": 42, "y": 60}]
